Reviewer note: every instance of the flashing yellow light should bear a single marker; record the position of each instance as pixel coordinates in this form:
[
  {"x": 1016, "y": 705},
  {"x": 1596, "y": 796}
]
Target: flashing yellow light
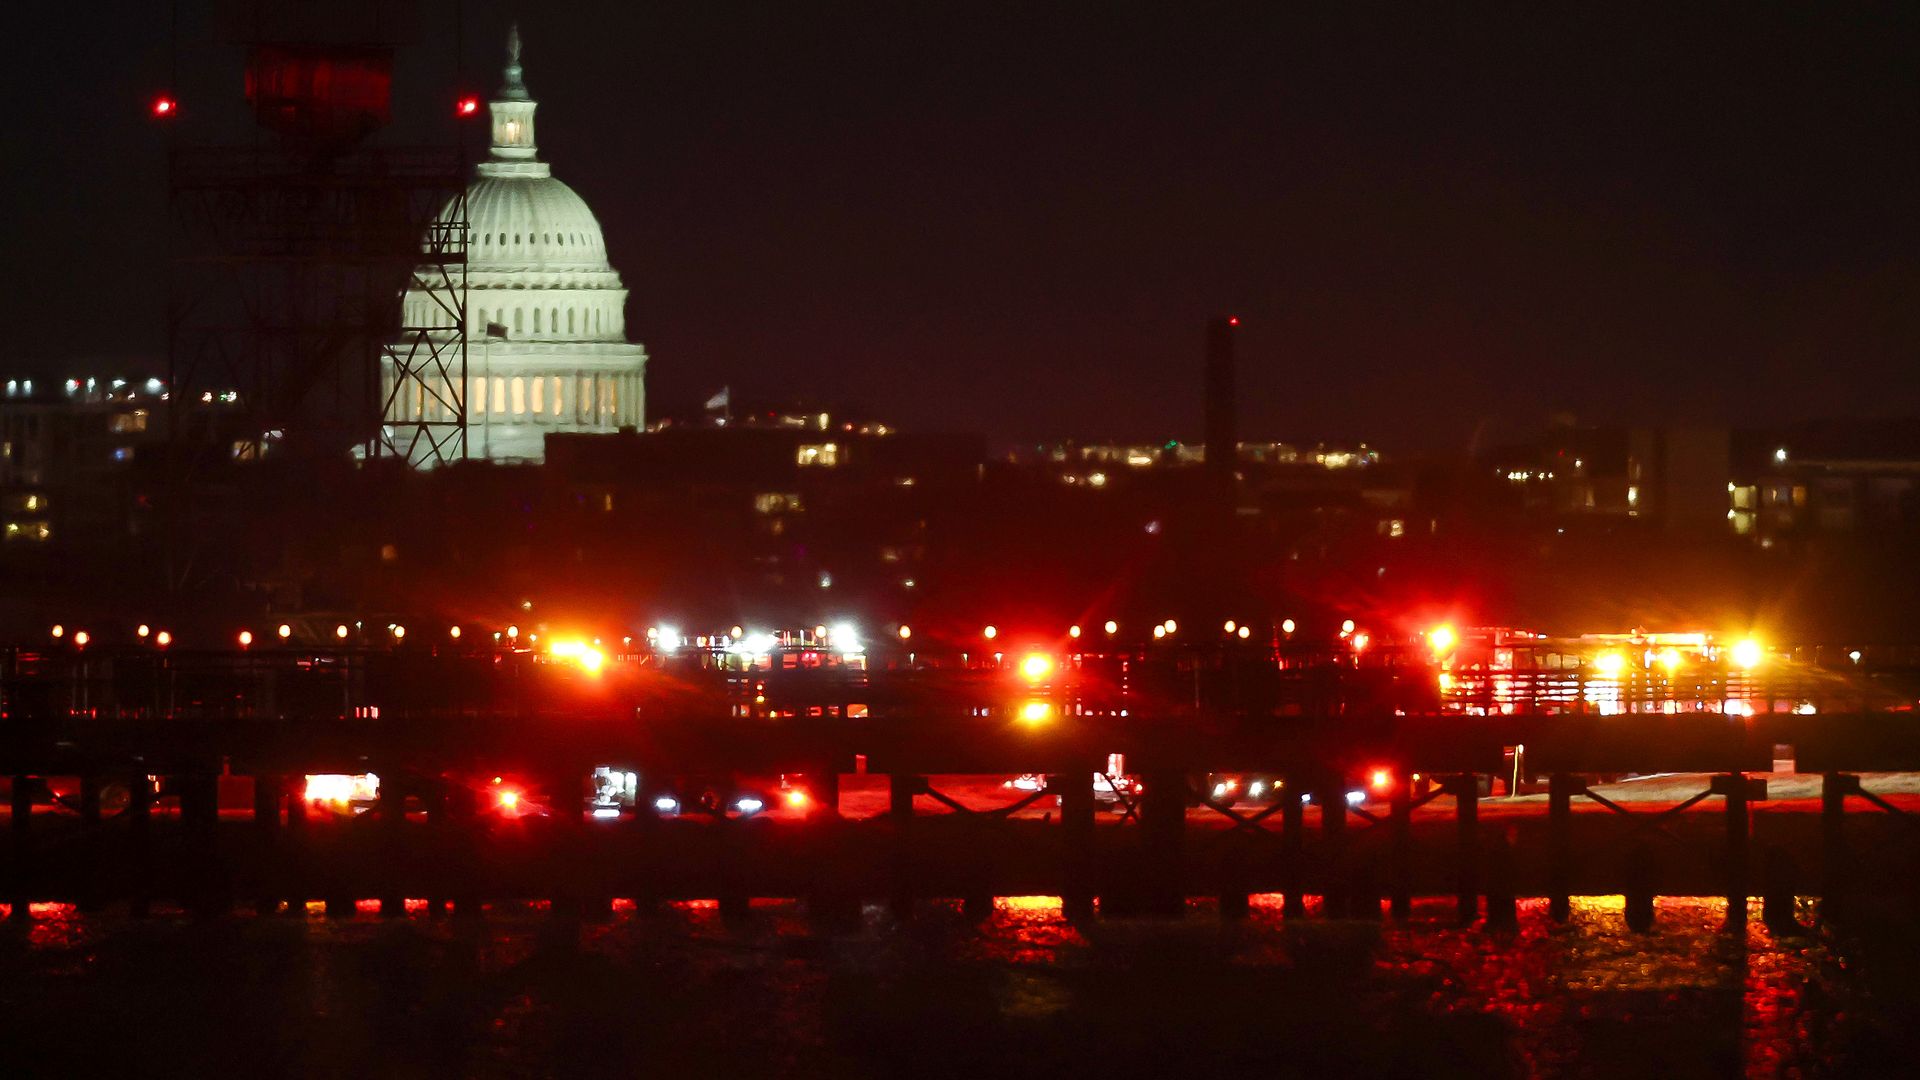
[
  {"x": 1346, "y": 627},
  {"x": 1360, "y": 641},
  {"x": 1036, "y": 666},
  {"x": 1446, "y": 682},
  {"x": 905, "y": 631},
  {"x": 163, "y": 639},
  {"x": 1443, "y": 639},
  {"x": 1286, "y": 626},
  {"x": 1610, "y": 663},
  {"x": 509, "y": 799},
  {"x": 1748, "y": 654},
  {"x": 1111, "y": 627},
  {"x": 246, "y": 638},
  {"x": 59, "y": 631},
  {"x": 284, "y": 631},
  {"x": 1670, "y": 658},
  {"x": 586, "y": 656},
  {"x": 1036, "y": 712},
  {"x": 453, "y": 632},
  {"x": 1073, "y": 631},
  {"x": 143, "y": 630},
  {"x": 1381, "y": 779},
  {"x": 797, "y": 799},
  {"x": 990, "y": 633}
]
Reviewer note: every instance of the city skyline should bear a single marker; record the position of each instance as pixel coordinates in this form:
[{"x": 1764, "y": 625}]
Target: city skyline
[{"x": 1017, "y": 223}]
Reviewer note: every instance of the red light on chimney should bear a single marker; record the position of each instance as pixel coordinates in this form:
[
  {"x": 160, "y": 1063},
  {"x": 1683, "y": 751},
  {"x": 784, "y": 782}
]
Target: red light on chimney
[
  {"x": 164, "y": 106},
  {"x": 467, "y": 106}
]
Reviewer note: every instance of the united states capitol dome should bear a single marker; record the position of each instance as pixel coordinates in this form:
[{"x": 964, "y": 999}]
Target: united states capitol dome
[{"x": 546, "y": 349}]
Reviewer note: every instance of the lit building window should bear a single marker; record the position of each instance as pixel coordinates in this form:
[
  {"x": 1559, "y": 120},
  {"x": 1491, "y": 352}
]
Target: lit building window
[
  {"x": 520, "y": 393},
  {"x": 823, "y": 454},
  {"x": 499, "y": 394},
  {"x": 559, "y": 396},
  {"x": 539, "y": 404}
]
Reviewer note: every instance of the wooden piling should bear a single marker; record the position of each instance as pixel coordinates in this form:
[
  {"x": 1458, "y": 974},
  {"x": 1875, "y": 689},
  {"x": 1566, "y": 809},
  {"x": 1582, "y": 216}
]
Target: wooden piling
[
  {"x": 1639, "y": 891},
  {"x": 1560, "y": 791},
  {"x": 207, "y": 892},
  {"x": 1293, "y": 849},
  {"x": 901, "y": 788},
  {"x": 1466, "y": 796},
  {"x": 1834, "y": 789},
  {"x": 294, "y": 845},
  {"x": 20, "y": 848},
  {"x": 391, "y": 807},
  {"x": 1331, "y": 796},
  {"x": 1076, "y": 845},
  {"x": 1735, "y": 789},
  {"x": 93, "y": 883},
  {"x": 1163, "y": 824},
  {"x": 1400, "y": 822},
  {"x": 268, "y": 794},
  {"x": 139, "y": 844}
]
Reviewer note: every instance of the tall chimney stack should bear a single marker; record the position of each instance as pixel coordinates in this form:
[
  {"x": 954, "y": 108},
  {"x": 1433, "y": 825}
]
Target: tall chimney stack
[{"x": 1222, "y": 439}]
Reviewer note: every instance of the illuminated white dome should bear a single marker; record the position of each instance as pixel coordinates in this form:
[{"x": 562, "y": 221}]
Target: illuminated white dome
[{"x": 547, "y": 348}]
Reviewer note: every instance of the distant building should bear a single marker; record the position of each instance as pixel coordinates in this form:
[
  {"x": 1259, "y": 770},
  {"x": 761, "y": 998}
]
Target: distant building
[
  {"x": 1671, "y": 477},
  {"x": 558, "y": 359},
  {"x": 66, "y": 448}
]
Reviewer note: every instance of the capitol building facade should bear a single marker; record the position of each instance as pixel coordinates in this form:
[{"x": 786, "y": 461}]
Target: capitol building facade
[{"x": 547, "y": 339}]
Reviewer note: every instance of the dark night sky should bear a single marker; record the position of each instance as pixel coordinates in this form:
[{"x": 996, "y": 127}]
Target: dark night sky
[{"x": 1015, "y": 217}]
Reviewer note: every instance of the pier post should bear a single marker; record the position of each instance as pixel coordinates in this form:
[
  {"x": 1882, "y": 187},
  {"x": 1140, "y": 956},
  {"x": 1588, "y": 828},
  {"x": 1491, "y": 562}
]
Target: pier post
[
  {"x": 1293, "y": 849},
  {"x": 1331, "y": 795},
  {"x": 1502, "y": 909},
  {"x": 92, "y": 886},
  {"x": 1560, "y": 790},
  {"x": 19, "y": 891},
  {"x": 1639, "y": 891},
  {"x": 140, "y": 844},
  {"x": 1163, "y": 824},
  {"x": 1737, "y": 789},
  {"x": 463, "y": 825},
  {"x": 268, "y": 792},
  {"x": 1466, "y": 798},
  {"x": 1076, "y": 844},
  {"x": 207, "y": 888},
  {"x": 832, "y": 897},
  {"x": 901, "y": 788},
  {"x": 295, "y": 884},
  {"x": 1400, "y": 823},
  {"x": 391, "y": 806},
  {"x": 1834, "y": 789}
]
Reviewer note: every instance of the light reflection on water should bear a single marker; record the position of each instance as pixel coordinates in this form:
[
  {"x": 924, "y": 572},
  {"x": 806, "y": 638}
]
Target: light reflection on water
[{"x": 1019, "y": 991}]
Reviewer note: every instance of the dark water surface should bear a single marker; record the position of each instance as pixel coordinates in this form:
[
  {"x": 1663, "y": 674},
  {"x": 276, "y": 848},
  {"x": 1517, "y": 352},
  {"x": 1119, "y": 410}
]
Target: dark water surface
[{"x": 677, "y": 990}]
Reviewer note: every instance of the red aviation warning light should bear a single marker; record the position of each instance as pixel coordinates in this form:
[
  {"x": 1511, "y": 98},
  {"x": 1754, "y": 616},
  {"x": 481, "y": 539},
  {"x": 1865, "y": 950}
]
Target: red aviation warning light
[
  {"x": 163, "y": 107},
  {"x": 467, "y": 106}
]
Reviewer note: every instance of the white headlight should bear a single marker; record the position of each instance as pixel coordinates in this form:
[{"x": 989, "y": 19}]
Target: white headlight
[{"x": 747, "y": 804}]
